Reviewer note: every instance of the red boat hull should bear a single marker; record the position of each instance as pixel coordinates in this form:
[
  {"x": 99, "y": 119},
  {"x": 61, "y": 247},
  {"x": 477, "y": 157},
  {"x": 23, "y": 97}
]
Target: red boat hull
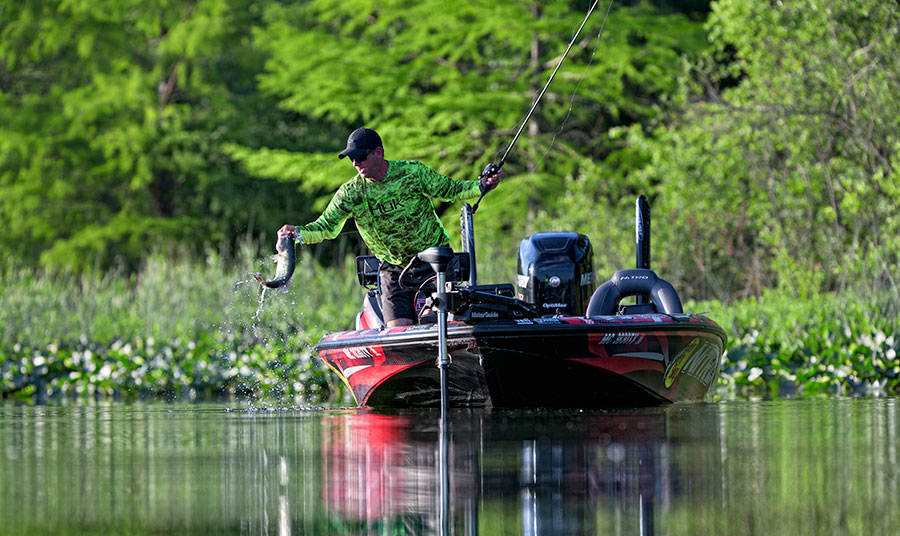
[{"x": 607, "y": 361}]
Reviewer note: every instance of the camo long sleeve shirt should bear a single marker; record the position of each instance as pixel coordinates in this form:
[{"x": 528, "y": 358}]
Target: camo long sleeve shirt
[{"x": 395, "y": 216}]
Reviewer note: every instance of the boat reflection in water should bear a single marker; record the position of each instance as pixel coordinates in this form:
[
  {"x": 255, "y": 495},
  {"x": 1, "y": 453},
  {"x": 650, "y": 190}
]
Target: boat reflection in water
[{"x": 509, "y": 472}]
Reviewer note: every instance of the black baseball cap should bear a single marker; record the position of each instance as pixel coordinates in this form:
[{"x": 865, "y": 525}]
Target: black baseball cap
[{"x": 361, "y": 141}]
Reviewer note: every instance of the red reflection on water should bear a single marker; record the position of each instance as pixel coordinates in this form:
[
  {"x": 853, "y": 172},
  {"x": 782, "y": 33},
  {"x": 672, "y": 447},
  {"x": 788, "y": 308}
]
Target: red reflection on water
[{"x": 363, "y": 470}]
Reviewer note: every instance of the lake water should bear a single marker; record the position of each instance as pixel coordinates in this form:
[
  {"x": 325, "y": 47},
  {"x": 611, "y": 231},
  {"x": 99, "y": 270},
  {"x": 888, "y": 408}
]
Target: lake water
[{"x": 796, "y": 467}]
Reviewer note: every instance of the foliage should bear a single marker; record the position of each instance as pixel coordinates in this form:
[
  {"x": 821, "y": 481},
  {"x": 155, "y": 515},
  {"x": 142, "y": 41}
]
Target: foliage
[
  {"x": 128, "y": 127},
  {"x": 112, "y": 120},
  {"x": 781, "y": 171},
  {"x": 829, "y": 344}
]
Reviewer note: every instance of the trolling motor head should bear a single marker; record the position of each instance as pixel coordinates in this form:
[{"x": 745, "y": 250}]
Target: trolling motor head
[{"x": 438, "y": 257}]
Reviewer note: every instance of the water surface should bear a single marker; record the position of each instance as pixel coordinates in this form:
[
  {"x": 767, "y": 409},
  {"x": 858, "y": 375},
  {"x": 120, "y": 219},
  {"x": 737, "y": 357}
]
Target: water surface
[{"x": 827, "y": 466}]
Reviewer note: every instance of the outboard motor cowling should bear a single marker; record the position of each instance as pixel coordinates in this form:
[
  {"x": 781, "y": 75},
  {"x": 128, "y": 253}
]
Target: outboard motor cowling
[{"x": 556, "y": 272}]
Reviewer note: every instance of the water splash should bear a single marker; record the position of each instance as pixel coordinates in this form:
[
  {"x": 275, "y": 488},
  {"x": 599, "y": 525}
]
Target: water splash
[{"x": 260, "y": 301}]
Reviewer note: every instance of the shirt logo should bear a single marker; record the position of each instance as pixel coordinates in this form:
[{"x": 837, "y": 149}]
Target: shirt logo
[{"x": 386, "y": 207}]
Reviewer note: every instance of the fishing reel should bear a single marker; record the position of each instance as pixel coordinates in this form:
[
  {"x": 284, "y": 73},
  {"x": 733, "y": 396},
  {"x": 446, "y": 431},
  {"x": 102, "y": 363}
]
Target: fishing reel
[{"x": 489, "y": 171}]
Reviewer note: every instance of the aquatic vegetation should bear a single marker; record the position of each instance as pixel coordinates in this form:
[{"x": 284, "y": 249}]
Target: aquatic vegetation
[
  {"x": 177, "y": 329},
  {"x": 824, "y": 345},
  {"x": 172, "y": 370}
]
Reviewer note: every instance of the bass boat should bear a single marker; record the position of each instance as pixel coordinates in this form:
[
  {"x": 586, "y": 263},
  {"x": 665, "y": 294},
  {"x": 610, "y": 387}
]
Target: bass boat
[{"x": 554, "y": 339}]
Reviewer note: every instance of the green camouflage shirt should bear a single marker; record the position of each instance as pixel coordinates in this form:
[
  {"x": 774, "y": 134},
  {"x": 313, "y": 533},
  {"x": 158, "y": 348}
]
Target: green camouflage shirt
[{"x": 395, "y": 215}]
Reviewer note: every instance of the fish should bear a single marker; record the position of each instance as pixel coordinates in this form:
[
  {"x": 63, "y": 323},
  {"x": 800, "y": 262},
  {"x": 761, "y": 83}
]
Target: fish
[{"x": 285, "y": 260}]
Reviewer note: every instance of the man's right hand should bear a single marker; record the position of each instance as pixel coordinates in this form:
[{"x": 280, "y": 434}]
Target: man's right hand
[
  {"x": 490, "y": 178},
  {"x": 290, "y": 230}
]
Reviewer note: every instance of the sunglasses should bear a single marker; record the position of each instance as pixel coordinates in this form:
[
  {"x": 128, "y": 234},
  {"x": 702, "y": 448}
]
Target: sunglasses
[{"x": 361, "y": 158}]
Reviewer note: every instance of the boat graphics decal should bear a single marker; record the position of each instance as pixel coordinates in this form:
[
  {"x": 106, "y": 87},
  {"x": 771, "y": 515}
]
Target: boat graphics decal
[
  {"x": 362, "y": 368},
  {"x": 540, "y": 321},
  {"x": 371, "y": 355},
  {"x": 628, "y": 342},
  {"x": 367, "y": 380},
  {"x": 699, "y": 359},
  {"x": 350, "y": 371}
]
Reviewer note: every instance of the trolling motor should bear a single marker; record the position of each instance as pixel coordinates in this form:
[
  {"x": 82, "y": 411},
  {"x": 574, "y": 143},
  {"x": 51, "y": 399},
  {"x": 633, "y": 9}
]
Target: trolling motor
[
  {"x": 439, "y": 259},
  {"x": 469, "y": 304}
]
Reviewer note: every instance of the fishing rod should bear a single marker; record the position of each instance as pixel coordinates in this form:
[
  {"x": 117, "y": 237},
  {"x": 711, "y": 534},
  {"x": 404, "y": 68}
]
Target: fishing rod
[{"x": 492, "y": 168}]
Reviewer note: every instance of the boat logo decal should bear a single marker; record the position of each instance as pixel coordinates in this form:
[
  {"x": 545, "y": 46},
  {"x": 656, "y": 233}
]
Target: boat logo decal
[
  {"x": 587, "y": 279},
  {"x": 698, "y": 359},
  {"x": 485, "y": 314},
  {"x": 622, "y": 338},
  {"x": 524, "y": 322},
  {"x": 554, "y": 281},
  {"x": 554, "y": 305},
  {"x": 372, "y": 354}
]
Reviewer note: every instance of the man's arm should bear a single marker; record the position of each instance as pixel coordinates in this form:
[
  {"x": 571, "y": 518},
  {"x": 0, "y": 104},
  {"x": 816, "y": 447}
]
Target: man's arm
[
  {"x": 326, "y": 226},
  {"x": 443, "y": 188}
]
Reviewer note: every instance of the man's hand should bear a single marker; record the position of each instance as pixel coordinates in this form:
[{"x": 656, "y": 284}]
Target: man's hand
[
  {"x": 290, "y": 230},
  {"x": 490, "y": 178}
]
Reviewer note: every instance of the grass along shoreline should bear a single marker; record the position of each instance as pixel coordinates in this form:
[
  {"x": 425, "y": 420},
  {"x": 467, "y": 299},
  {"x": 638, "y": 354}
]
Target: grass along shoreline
[{"x": 185, "y": 330}]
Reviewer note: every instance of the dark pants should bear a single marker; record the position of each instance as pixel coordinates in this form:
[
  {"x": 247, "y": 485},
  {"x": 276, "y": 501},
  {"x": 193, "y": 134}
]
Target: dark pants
[{"x": 399, "y": 302}]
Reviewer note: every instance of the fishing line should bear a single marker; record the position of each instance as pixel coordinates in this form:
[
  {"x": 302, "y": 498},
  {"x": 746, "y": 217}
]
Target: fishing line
[
  {"x": 526, "y": 116},
  {"x": 571, "y": 100},
  {"x": 549, "y": 80}
]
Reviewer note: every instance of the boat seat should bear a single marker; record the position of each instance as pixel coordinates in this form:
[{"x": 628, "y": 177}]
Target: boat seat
[{"x": 634, "y": 282}]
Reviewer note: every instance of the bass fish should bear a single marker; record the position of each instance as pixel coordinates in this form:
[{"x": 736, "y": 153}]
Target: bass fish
[{"x": 285, "y": 261}]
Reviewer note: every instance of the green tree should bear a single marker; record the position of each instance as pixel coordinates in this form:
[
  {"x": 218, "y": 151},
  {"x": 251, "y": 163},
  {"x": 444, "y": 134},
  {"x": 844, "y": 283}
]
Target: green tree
[
  {"x": 789, "y": 178},
  {"x": 112, "y": 119}
]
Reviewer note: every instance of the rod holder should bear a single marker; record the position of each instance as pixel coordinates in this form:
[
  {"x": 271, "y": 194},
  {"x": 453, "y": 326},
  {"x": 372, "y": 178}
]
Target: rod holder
[
  {"x": 642, "y": 232},
  {"x": 467, "y": 229},
  {"x": 642, "y": 237}
]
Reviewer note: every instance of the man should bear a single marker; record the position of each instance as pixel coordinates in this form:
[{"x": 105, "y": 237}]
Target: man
[{"x": 391, "y": 201}]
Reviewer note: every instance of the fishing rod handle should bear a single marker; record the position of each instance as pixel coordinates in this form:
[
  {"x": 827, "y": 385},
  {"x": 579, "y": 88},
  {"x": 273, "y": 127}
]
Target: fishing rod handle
[{"x": 490, "y": 169}]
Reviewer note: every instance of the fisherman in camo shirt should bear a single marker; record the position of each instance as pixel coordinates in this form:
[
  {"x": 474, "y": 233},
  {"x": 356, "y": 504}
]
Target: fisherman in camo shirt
[{"x": 391, "y": 201}]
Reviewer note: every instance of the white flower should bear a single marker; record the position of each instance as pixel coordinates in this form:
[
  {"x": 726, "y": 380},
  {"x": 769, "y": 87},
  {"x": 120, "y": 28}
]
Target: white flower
[{"x": 755, "y": 373}]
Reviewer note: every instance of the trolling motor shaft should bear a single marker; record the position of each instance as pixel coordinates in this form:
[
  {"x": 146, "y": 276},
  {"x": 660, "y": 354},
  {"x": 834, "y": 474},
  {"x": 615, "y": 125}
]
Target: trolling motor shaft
[{"x": 439, "y": 258}]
